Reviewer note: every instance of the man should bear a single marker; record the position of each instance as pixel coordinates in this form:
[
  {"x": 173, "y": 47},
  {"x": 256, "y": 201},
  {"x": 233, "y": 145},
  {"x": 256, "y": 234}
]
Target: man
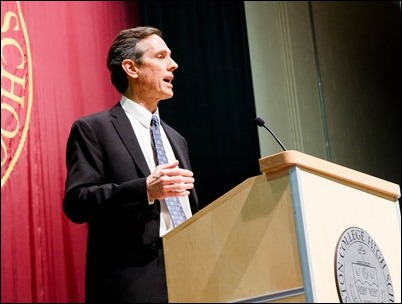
[{"x": 114, "y": 183}]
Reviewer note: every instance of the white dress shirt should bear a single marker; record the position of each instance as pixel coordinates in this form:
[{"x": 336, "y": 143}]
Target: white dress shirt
[{"x": 140, "y": 119}]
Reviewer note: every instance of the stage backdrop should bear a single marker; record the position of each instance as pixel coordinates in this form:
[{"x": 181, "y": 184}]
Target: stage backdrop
[{"x": 52, "y": 72}]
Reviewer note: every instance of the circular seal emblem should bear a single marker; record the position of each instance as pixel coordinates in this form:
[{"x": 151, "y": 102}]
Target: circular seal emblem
[
  {"x": 361, "y": 270},
  {"x": 16, "y": 86}
]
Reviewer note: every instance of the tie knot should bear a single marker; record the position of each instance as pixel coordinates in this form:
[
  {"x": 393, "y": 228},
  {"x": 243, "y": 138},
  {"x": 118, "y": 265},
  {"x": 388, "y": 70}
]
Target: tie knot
[{"x": 154, "y": 120}]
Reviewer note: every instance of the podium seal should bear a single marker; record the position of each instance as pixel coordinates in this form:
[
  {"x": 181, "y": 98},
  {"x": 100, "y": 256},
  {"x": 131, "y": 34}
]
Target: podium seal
[{"x": 361, "y": 270}]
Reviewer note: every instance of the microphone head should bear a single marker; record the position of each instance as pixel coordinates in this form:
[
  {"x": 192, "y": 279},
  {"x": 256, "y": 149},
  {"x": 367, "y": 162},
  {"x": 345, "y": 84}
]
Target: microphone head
[{"x": 260, "y": 122}]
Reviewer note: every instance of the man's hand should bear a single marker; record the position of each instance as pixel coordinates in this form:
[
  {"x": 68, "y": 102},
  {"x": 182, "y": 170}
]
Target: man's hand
[{"x": 169, "y": 180}]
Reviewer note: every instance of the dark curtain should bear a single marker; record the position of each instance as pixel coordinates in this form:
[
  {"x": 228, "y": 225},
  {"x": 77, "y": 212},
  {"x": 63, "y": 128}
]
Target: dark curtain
[{"x": 213, "y": 105}]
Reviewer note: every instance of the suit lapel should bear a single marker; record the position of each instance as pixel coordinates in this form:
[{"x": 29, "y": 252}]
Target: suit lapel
[
  {"x": 126, "y": 133},
  {"x": 176, "y": 146}
]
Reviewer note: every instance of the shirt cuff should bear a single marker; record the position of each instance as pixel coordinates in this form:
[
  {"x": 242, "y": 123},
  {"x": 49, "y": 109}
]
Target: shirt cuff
[{"x": 150, "y": 202}]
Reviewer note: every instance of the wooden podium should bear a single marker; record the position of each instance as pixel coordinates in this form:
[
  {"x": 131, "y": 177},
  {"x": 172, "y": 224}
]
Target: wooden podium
[{"x": 275, "y": 237}]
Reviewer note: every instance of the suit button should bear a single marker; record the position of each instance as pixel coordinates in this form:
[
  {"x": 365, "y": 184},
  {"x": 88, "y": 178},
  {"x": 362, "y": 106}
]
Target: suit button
[
  {"x": 155, "y": 215},
  {"x": 154, "y": 247}
]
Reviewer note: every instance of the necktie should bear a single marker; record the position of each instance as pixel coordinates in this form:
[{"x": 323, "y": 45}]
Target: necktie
[{"x": 173, "y": 204}]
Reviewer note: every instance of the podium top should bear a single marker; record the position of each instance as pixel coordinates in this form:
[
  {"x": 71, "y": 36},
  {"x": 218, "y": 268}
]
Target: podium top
[{"x": 287, "y": 159}]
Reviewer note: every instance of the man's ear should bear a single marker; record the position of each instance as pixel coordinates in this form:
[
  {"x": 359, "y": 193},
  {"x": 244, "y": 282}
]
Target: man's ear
[{"x": 130, "y": 67}]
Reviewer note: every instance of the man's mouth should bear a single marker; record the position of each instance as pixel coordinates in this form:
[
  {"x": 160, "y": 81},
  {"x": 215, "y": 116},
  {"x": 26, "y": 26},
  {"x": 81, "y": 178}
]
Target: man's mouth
[{"x": 168, "y": 79}]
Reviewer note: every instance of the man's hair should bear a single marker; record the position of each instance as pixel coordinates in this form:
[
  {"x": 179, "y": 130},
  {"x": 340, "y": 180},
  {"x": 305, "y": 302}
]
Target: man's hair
[{"x": 123, "y": 47}]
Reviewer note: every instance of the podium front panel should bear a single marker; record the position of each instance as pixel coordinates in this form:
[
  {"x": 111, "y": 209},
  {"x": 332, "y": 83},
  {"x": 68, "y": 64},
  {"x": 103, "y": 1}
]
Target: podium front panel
[
  {"x": 241, "y": 246},
  {"x": 324, "y": 209}
]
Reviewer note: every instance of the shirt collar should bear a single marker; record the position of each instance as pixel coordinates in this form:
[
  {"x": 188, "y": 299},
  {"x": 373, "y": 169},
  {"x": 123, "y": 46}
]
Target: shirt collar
[{"x": 137, "y": 111}]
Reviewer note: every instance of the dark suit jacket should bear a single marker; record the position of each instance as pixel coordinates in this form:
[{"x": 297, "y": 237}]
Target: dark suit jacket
[{"x": 106, "y": 188}]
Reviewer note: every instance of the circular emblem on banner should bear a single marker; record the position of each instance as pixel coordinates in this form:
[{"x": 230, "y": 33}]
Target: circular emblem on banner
[
  {"x": 16, "y": 86},
  {"x": 361, "y": 270}
]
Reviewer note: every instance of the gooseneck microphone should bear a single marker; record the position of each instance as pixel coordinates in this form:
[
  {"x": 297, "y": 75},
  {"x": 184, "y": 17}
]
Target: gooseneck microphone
[{"x": 261, "y": 123}]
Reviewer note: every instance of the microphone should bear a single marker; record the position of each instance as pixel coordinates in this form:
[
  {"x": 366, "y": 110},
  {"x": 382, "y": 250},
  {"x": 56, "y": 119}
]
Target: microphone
[{"x": 261, "y": 123}]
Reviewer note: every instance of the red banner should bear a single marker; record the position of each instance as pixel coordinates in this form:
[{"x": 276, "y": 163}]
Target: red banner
[{"x": 53, "y": 71}]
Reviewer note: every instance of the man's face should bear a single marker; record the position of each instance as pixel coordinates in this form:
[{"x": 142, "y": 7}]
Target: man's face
[{"x": 155, "y": 74}]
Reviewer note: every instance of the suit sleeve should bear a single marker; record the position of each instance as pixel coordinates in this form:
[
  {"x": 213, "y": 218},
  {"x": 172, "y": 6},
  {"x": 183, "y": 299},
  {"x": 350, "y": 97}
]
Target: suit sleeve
[{"x": 86, "y": 190}]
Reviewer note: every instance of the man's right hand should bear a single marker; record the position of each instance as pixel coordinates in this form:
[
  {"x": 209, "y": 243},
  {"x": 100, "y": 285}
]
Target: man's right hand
[{"x": 169, "y": 180}]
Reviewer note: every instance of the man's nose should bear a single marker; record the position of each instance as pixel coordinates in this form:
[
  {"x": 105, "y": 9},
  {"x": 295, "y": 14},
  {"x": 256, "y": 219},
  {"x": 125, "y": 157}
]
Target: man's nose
[{"x": 173, "y": 65}]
